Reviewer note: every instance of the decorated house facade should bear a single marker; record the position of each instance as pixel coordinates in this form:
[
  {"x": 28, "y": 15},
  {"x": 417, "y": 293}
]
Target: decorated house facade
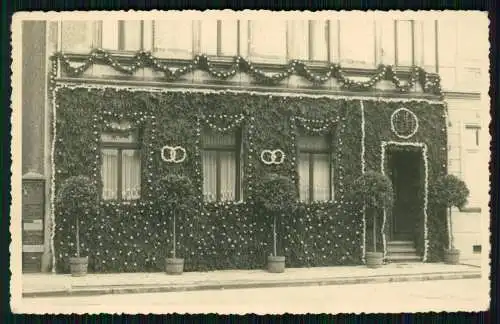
[{"x": 226, "y": 101}]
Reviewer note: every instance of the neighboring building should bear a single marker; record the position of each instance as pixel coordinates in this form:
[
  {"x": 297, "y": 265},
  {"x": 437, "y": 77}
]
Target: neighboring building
[{"x": 312, "y": 118}]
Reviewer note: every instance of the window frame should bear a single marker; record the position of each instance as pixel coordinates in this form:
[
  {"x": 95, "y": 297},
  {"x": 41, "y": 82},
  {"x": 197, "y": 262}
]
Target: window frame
[
  {"x": 310, "y": 156},
  {"x": 396, "y": 49},
  {"x": 237, "y": 149},
  {"x": 120, "y": 147}
]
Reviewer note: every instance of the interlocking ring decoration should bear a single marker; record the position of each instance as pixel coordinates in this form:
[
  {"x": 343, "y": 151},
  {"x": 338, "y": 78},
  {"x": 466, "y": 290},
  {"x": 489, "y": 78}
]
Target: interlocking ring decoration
[
  {"x": 404, "y": 123},
  {"x": 270, "y": 157},
  {"x": 176, "y": 154}
]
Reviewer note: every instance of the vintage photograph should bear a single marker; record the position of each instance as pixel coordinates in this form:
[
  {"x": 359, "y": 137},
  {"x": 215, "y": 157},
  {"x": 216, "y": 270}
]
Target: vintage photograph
[{"x": 250, "y": 162}]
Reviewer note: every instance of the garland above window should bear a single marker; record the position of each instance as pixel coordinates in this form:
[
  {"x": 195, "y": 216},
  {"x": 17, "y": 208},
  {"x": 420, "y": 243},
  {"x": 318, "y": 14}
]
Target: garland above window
[{"x": 430, "y": 83}]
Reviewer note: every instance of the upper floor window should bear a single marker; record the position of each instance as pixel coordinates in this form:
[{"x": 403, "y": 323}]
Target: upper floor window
[
  {"x": 222, "y": 170},
  {"x": 219, "y": 37},
  {"x": 315, "y": 168},
  {"x": 122, "y": 35},
  {"x": 357, "y": 42},
  {"x": 471, "y": 141},
  {"x": 405, "y": 42},
  {"x": 79, "y": 36},
  {"x": 173, "y": 38},
  {"x": 121, "y": 163},
  {"x": 268, "y": 41}
]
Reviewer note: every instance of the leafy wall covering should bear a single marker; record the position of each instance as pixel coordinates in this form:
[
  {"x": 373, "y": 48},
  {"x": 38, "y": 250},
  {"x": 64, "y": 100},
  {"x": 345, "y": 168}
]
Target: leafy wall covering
[{"x": 136, "y": 237}]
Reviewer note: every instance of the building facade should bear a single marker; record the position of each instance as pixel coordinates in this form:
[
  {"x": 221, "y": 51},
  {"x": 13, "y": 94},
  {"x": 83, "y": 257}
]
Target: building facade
[{"x": 337, "y": 97}]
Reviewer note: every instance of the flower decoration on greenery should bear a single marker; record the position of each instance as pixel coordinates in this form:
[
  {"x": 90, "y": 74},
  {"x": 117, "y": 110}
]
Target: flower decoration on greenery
[
  {"x": 77, "y": 199},
  {"x": 449, "y": 191},
  {"x": 429, "y": 82},
  {"x": 132, "y": 236}
]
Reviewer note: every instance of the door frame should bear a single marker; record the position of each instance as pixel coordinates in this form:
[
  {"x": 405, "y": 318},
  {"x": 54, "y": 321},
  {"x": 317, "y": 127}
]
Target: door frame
[{"x": 422, "y": 148}]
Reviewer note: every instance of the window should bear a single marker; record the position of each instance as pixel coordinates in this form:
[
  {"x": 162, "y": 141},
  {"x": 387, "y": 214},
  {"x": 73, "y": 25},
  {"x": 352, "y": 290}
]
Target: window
[
  {"x": 78, "y": 36},
  {"x": 357, "y": 43},
  {"x": 268, "y": 40},
  {"x": 221, "y": 167},
  {"x": 121, "y": 164},
  {"x": 404, "y": 42},
  {"x": 473, "y": 175},
  {"x": 315, "y": 168},
  {"x": 319, "y": 40},
  {"x": 173, "y": 38},
  {"x": 219, "y": 37},
  {"x": 122, "y": 35},
  {"x": 447, "y": 60}
]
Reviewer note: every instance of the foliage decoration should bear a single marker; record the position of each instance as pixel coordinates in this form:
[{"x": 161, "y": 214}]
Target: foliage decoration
[
  {"x": 278, "y": 196},
  {"x": 76, "y": 199},
  {"x": 133, "y": 236},
  {"x": 177, "y": 196},
  {"x": 373, "y": 191},
  {"x": 430, "y": 82},
  {"x": 449, "y": 191}
]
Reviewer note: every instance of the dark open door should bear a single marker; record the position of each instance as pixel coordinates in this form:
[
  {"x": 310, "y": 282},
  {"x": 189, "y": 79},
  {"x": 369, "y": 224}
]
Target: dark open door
[{"x": 406, "y": 178}]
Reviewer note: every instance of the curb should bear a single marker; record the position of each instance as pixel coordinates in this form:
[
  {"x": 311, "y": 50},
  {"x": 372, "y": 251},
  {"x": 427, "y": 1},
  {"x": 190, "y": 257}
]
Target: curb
[{"x": 246, "y": 285}]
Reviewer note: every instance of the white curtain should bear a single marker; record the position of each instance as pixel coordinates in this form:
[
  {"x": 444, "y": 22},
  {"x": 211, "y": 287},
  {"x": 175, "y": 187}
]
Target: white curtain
[
  {"x": 209, "y": 175},
  {"x": 304, "y": 176},
  {"x": 109, "y": 173},
  {"x": 131, "y": 174},
  {"x": 228, "y": 175},
  {"x": 321, "y": 175}
]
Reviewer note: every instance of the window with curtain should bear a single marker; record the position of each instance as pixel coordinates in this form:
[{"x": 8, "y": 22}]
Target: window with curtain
[
  {"x": 122, "y": 35},
  {"x": 315, "y": 168},
  {"x": 357, "y": 43},
  {"x": 121, "y": 164},
  {"x": 219, "y": 37},
  {"x": 268, "y": 40},
  {"x": 405, "y": 47},
  {"x": 173, "y": 38},
  {"x": 221, "y": 166},
  {"x": 79, "y": 36}
]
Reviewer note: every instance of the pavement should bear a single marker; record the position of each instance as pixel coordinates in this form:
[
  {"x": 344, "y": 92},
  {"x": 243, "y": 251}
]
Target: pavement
[{"x": 54, "y": 285}]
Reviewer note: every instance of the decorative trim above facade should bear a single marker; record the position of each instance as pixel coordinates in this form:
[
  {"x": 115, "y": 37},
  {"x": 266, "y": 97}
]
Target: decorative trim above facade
[{"x": 263, "y": 74}]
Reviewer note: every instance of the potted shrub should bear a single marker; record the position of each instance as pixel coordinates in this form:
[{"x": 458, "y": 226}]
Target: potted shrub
[
  {"x": 77, "y": 198},
  {"x": 449, "y": 191},
  {"x": 175, "y": 195},
  {"x": 374, "y": 191},
  {"x": 277, "y": 195}
]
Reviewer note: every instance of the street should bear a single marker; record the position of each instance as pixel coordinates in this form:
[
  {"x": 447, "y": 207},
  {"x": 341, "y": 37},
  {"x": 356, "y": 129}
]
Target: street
[{"x": 444, "y": 295}]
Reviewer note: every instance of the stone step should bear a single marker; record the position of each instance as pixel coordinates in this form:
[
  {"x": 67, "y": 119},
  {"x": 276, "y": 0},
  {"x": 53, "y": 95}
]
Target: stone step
[
  {"x": 401, "y": 249},
  {"x": 403, "y": 258},
  {"x": 398, "y": 243}
]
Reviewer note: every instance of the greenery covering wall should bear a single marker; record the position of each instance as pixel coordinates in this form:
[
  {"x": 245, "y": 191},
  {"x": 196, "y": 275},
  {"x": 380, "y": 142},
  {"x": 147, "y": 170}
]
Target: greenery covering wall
[{"x": 135, "y": 237}]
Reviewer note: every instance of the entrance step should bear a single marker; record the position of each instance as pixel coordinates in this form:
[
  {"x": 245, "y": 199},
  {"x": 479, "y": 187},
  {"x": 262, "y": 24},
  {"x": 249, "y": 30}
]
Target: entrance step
[{"x": 402, "y": 251}]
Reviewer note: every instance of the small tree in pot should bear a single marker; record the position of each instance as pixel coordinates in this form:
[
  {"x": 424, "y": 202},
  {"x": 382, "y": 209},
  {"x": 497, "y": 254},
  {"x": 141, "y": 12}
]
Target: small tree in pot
[
  {"x": 277, "y": 195},
  {"x": 77, "y": 198},
  {"x": 374, "y": 191},
  {"x": 175, "y": 194},
  {"x": 449, "y": 191}
]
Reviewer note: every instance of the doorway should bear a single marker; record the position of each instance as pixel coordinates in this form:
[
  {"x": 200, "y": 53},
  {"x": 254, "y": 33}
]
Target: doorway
[{"x": 406, "y": 172}]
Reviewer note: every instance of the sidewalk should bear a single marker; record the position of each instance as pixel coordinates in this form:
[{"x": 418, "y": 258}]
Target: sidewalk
[{"x": 38, "y": 285}]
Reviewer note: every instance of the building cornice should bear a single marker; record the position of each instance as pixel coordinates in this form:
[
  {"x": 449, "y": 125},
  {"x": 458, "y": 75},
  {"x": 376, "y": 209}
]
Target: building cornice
[
  {"x": 221, "y": 87},
  {"x": 461, "y": 95}
]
